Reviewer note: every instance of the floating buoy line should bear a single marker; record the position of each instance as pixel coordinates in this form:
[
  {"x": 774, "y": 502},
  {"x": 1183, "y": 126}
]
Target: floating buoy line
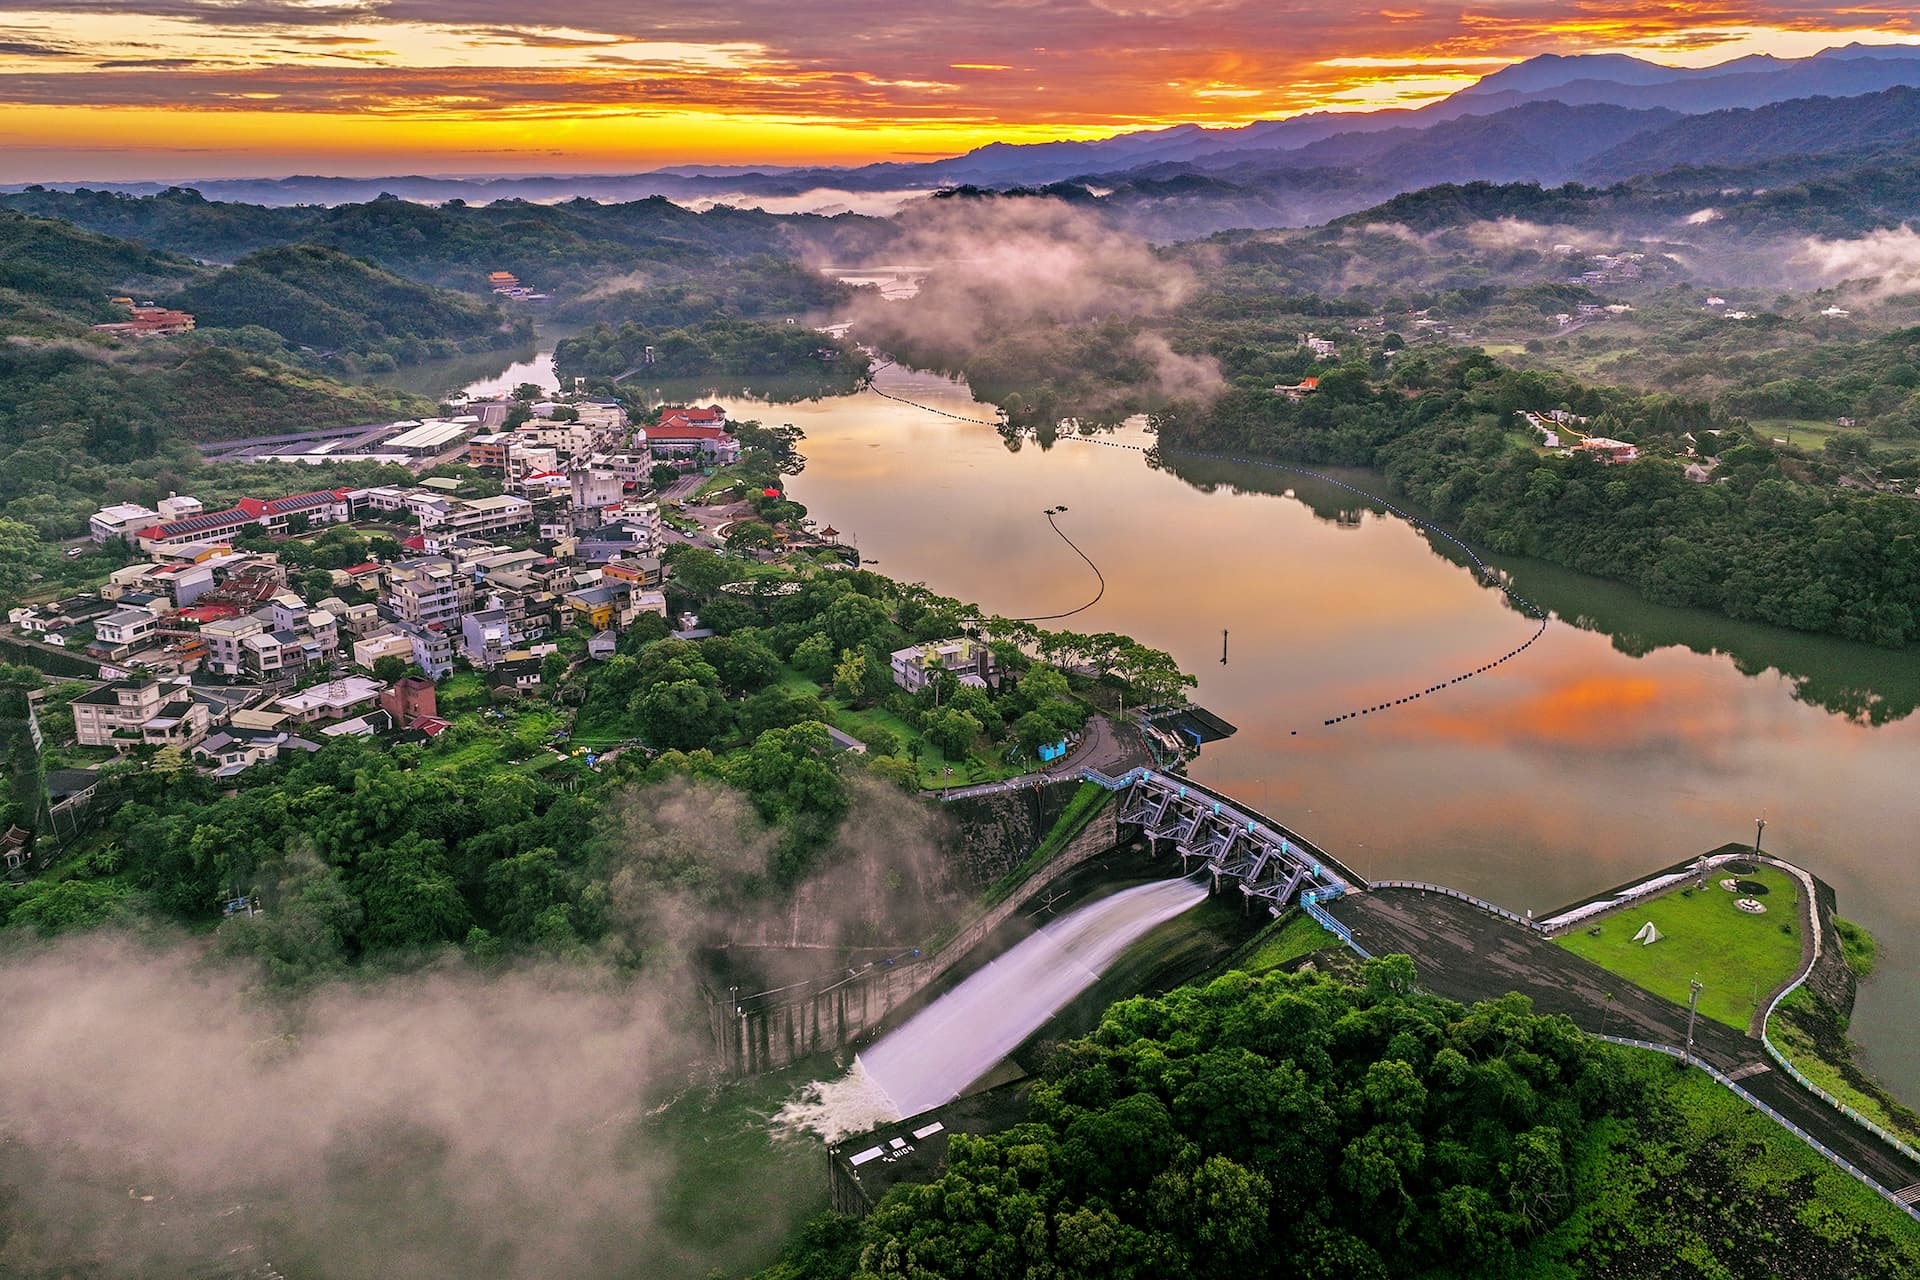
[{"x": 1487, "y": 572}]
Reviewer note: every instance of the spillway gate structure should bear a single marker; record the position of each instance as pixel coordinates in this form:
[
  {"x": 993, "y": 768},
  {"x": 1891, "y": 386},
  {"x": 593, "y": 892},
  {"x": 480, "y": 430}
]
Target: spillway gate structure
[{"x": 1271, "y": 865}]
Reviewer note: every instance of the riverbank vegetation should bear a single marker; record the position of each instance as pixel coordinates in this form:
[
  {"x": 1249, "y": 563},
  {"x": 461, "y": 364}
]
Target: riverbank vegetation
[
  {"x": 1304, "y": 1125},
  {"x": 711, "y": 346}
]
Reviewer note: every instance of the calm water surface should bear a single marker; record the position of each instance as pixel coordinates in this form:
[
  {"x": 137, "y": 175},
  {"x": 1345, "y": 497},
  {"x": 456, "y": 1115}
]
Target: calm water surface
[{"x": 1630, "y": 737}]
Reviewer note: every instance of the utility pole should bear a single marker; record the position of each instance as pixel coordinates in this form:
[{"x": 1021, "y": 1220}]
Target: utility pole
[
  {"x": 1759, "y": 825},
  {"x": 1693, "y": 1011}
]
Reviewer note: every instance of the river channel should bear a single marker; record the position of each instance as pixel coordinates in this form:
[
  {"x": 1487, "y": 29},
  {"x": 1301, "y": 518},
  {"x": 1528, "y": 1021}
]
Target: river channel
[{"x": 1628, "y": 738}]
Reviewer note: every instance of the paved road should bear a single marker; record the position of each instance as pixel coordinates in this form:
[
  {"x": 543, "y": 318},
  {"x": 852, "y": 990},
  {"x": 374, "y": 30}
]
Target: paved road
[
  {"x": 1105, "y": 747},
  {"x": 1464, "y": 953}
]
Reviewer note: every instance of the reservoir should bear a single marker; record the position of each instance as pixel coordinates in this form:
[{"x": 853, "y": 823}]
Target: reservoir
[{"x": 1629, "y": 737}]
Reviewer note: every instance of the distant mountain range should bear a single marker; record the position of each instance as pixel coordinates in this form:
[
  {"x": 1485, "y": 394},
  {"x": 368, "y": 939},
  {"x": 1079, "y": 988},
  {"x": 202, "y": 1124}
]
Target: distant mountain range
[{"x": 1549, "y": 119}]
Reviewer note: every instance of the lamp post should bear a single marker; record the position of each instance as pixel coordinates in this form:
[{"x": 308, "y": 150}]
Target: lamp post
[
  {"x": 1759, "y": 825},
  {"x": 1693, "y": 1011}
]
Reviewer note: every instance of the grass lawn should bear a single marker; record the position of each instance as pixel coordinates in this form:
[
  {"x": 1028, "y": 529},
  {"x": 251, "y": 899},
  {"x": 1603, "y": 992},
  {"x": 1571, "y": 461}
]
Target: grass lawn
[
  {"x": 461, "y": 691},
  {"x": 1804, "y": 433},
  {"x": 1738, "y": 958}
]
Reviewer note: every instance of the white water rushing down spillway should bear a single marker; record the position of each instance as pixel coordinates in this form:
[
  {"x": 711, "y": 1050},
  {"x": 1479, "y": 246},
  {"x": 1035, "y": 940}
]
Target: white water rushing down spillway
[{"x": 964, "y": 1034}]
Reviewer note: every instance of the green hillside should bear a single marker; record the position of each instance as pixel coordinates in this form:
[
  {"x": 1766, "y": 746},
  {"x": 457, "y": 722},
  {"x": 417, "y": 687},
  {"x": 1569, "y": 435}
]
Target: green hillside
[
  {"x": 320, "y": 298},
  {"x": 57, "y": 279}
]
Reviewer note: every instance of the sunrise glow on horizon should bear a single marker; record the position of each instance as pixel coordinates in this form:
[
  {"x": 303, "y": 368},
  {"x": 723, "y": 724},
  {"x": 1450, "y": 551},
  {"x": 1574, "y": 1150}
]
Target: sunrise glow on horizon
[{"x": 131, "y": 89}]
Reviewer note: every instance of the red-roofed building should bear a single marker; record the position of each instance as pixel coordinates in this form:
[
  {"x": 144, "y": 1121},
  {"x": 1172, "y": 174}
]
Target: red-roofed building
[
  {"x": 698, "y": 434},
  {"x": 322, "y": 506},
  {"x": 148, "y": 321}
]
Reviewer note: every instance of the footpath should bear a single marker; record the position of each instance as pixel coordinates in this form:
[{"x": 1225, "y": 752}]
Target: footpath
[{"x": 1105, "y": 748}]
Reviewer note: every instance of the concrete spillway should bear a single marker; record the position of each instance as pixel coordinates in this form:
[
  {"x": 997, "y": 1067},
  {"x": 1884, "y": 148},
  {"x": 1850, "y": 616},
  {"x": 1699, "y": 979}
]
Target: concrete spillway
[{"x": 963, "y": 1035}]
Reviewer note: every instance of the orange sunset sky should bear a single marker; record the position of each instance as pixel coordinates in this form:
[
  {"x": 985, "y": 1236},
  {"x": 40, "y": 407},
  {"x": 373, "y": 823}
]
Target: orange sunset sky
[{"x": 208, "y": 88}]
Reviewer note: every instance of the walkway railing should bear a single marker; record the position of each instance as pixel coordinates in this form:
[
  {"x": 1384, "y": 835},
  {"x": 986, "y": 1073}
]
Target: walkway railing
[
  {"x": 1310, "y": 903},
  {"x": 1482, "y": 903},
  {"x": 1866, "y": 1179},
  {"x": 1120, "y": 783},
  {"x": 1773, "y": 1051}
]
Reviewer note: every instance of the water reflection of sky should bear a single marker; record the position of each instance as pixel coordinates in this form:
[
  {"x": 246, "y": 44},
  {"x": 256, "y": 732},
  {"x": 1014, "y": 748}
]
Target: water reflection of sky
[{"x": 1570, "y": 768}]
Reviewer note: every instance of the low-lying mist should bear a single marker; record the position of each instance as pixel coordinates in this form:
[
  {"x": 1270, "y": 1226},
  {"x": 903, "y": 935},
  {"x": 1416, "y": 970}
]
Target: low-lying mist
[
  {"x": 1011, "y": 271},
  {"x": 165, "y": 1112}
]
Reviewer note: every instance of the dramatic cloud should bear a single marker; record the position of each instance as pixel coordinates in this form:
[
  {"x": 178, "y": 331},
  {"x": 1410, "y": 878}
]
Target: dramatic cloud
[
  {"x": 1014, "y": 265},
  {"x": 883, "y": 77}
]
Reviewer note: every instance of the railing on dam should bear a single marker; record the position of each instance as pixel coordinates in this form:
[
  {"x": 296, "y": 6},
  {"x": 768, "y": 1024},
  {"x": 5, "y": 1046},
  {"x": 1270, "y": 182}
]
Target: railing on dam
[
  {"x": 1310, "y": 903},
  {"x": 1865, "y": 1179},
  {"x": 1482, "y": 903}
]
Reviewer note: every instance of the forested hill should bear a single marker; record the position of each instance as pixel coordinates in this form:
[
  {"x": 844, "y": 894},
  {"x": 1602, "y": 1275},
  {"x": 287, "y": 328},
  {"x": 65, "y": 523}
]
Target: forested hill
[
  {"x": 57, "y": 279},
  {"x": 1303, "y": 1128},
  {"x": 1805, "y": 126},
  {"x": 321, "y": 298},
  {"x": 562, "y": 249}
]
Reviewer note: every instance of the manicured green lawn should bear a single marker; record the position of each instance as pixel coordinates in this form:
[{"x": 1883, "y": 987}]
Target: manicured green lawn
[{"x": 1739, "y": 958}]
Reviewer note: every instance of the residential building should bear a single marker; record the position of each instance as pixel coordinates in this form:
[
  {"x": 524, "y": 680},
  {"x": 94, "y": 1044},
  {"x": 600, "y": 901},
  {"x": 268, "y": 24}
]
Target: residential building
[
  {"x": 427, "y": 591},
  {"x": 594, "y": 487},
  {"x": 914, "y": 667},
  {"x": 408, "y": 700},
  {"x": 601, "y": 606},
  {"x": 234, "y": 751},
  {"x": 432, "y": 648},
  {"x": 124, "y": 630},
  {"x": 485, "y": 636},
  {"x": 444, "y": 517},
  {"x": 640, "y": 570},
  {"x": 489, "y": 452},
  {"x": 334, "y": 700},
  {"x": 387, "y": 644},
  {"x": 226, "y": 642},
  {"x": 121, "y": 520},
  {"x": 1608, "y": 451},
  {"x": 602, "y": 645},
  {"x": 1297, "y": 391},
  {"x": 144, "y": 712}
]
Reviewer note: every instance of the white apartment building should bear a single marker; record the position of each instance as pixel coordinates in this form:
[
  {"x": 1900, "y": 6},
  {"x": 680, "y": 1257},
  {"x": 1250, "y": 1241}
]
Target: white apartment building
[{"x": 146, "y": 712}]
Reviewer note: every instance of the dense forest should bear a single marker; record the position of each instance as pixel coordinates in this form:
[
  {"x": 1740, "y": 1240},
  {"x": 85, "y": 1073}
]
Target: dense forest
[
  {"x": 565, "y": 250},
  {"x": 1760, "y": 542},
  {"x": 56, "y": 279},
  {"x": 333, "y": 304},
  {"x": 1304, "y": 1126},
  {"x": 759, "y": 287}
]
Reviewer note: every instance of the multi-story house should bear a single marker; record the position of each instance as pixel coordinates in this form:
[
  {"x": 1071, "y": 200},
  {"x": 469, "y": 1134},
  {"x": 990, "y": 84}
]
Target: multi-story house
[{"x": 142, "y": 712}]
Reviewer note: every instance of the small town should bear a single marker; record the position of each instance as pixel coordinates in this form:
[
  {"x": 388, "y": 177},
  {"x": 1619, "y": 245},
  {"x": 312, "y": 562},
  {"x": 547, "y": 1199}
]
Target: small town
[{"x": 212, "y": 640}]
